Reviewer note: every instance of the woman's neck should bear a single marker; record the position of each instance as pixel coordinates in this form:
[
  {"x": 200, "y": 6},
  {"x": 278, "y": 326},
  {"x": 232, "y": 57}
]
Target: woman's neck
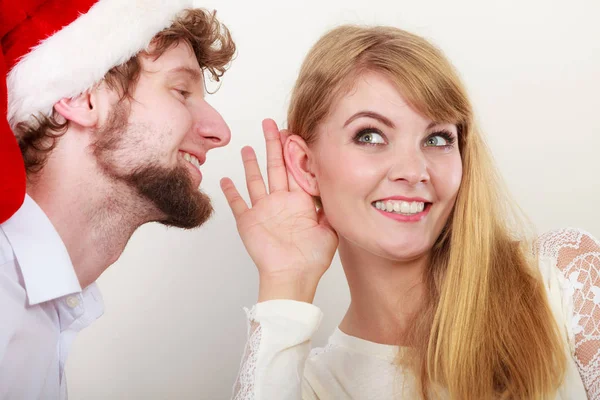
[{"x": 385, "y": 294}]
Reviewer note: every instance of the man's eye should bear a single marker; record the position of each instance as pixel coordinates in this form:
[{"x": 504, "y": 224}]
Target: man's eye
[{"x": 184, "y": 93}]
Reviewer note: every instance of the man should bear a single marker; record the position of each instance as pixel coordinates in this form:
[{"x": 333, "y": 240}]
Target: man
[{"x": 111, "y": 120}]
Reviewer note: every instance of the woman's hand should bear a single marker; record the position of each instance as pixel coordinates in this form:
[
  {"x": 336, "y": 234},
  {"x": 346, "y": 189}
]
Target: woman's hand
[{"x": 291, "y": 244}]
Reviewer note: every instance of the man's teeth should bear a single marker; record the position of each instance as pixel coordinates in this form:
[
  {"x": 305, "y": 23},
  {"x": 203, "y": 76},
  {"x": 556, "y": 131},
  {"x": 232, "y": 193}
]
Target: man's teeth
[
  {"x": 192, "y": 159},
  {"x": 400, "y": 207}
]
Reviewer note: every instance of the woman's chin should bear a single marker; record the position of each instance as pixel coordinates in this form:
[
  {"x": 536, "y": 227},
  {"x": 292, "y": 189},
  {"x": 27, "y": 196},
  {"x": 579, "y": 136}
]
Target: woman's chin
[{"x": 404, "y": 252}]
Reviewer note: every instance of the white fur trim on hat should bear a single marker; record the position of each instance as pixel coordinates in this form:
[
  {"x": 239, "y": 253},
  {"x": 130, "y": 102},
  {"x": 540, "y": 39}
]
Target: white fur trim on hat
[{"x": 78, "y": 56}]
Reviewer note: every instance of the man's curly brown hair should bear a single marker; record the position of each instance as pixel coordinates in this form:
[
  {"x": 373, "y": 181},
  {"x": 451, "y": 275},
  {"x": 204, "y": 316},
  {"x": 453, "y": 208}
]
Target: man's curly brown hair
[{"x": 212, "y": 45}]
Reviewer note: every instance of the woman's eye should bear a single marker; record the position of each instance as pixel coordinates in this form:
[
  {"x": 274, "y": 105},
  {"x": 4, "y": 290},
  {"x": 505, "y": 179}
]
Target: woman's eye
[
  {"x": 370, "y": 137},
  {"x": 436, "y": 141},
  {"x": 440, "y": 139}
]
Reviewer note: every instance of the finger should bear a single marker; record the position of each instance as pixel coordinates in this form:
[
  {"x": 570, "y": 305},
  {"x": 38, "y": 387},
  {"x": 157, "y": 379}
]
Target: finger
[
  {"x": 254, "y": 178},
  {"x": 236, "y": 202},
  {"x": 283, "y": 135},
  {"x": 276, "y": 171}
]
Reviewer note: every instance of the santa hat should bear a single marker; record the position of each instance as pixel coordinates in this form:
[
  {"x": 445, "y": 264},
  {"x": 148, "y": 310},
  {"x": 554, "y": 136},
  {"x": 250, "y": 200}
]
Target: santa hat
[{"x": 58, "y": 49}]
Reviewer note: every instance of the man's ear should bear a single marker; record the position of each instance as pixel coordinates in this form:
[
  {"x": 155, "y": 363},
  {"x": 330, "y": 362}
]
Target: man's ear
[
  {"x": 80, "y": 109},
  {"x": 298, "y": 161}
]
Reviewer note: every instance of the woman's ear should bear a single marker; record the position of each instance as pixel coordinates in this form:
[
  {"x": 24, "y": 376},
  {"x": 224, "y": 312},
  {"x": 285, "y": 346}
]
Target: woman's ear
[
  {"x": 297, "y": 159},
  {"x": 80, "y": 109}
]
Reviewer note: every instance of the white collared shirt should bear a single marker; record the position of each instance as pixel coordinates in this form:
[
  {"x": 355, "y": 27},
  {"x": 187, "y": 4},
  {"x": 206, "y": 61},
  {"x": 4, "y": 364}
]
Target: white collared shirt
[{"x": 42, "y": 306}]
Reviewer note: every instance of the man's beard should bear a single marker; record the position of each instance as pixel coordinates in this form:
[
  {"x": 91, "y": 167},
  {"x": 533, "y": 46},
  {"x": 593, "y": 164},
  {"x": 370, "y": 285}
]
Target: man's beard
[{"x": 169, "y": 190}]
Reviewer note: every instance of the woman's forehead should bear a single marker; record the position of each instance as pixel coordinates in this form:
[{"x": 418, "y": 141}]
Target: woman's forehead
[{"x": 374, "y": 94}]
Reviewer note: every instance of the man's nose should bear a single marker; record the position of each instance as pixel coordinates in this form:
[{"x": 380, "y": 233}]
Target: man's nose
[{"x": 211, "y": 126}]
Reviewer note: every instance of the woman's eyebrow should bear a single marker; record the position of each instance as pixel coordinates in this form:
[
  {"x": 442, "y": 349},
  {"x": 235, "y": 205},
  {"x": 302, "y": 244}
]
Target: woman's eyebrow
[{"x": 371, "y": 114}]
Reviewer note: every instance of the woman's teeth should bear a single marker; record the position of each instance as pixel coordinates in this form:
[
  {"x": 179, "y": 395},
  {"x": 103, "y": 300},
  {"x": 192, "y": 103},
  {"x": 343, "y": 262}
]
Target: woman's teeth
[
  {"x": 191, "y": 159},
  {"x": 400, "y": 207}
]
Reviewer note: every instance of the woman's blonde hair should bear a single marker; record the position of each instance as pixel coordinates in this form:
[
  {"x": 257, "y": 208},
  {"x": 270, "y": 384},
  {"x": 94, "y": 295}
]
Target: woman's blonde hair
[{"x": 486, "y": 330}]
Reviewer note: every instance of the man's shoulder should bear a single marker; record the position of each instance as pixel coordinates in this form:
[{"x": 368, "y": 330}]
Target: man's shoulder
[
  {"x": 7, "y": 254},
  {"x": 11, "y": 284},
  {"x": 12, "y": 292}
]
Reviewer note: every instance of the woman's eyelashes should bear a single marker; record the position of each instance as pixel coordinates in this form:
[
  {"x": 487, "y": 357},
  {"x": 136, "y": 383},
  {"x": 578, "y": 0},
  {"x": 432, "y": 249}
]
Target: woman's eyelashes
[
  {"x": 442, "y": 138},
  {"x": 371, "y": 136}
]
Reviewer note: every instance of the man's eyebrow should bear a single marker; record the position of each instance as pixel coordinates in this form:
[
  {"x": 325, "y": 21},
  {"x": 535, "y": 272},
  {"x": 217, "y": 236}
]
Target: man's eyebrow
[{"x": 192, "y": 73}]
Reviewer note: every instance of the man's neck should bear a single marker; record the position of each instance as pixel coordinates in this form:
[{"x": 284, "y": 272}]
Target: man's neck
[{"x": 92, "y": 219}]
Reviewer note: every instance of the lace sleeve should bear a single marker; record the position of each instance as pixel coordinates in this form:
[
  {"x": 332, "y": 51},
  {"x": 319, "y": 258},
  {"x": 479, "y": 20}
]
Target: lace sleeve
[
  {"x": 272, "y": 367},
  {"x": 578, "y": 257},
  {"x": 244, "y": 384}
]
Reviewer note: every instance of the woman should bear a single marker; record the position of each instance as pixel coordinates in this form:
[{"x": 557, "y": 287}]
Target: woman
[{"x": 447, "y": 298}]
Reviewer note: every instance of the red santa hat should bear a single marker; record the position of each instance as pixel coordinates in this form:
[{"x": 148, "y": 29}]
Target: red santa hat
[{"x": 57, "y": 49}]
